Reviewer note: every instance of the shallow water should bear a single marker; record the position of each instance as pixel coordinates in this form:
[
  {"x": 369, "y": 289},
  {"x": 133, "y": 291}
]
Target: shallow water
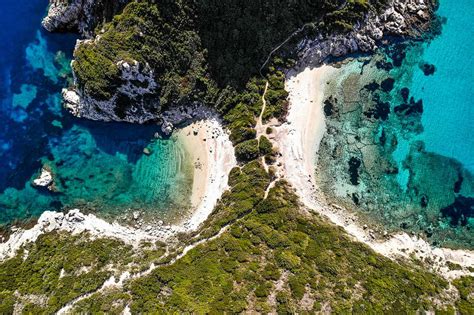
[
  {"x": 401, "y": 145},
  {"x": 99, "y": 167}
]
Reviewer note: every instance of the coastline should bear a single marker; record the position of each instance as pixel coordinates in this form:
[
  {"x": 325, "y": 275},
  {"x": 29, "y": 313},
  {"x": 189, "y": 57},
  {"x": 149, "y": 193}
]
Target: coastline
[
  {"x": 213, "y": 158},
  {"x": 300, "y": 137},
  {"x": 304, "y": 129}
]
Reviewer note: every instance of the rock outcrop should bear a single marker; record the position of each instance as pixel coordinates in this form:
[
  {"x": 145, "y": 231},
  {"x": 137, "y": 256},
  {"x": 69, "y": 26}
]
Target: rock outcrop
[
  {"x": 400, "y": 18},
  {"x": 80, "y": 15},
  {"x": 45, "y": 179},
  {"x": 133, "y": 101},
  {"x": 135, "y": 98}
]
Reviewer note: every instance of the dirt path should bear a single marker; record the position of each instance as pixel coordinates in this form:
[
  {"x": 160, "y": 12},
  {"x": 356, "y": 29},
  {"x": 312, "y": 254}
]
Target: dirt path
[{"x": 260, "y": 127}]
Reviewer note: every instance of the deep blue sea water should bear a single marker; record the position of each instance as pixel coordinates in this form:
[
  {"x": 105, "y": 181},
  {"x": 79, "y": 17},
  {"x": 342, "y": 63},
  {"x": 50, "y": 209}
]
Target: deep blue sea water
[{"x": 97, "y": 166}]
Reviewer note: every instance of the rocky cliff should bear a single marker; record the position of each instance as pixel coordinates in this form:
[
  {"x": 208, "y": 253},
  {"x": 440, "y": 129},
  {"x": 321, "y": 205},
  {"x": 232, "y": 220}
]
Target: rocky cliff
[
  {"x": 112, "y": 88},
  {"x": 81, "y": 16},
  {"x": 400, "y": 18},
  {"x": 131, "y": 101}
]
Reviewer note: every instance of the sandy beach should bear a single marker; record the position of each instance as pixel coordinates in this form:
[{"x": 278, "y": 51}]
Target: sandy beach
[
  {"x": 298, "y": 140},
  {"x": 213, "y": 157}
]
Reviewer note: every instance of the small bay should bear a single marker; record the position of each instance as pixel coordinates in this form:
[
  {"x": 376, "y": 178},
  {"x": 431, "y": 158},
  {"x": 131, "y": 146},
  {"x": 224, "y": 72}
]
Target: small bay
[{"x": 97, "y": 167}]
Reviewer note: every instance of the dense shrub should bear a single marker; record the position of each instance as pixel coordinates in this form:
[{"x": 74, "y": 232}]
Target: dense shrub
[
  {"x": 247, "y": 150},
  {"x": 265, "y": 146},
  {"x": 200, "y": 50}
]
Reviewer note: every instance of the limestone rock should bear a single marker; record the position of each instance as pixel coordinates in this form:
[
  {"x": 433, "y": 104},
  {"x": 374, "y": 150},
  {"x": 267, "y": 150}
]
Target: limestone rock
[
  {"x": 45, "y": 179},
  {"x": 167, "y": 128},
  {"x": 138, "y": 87},
  {"x": 400, "y": 18},
  {"x": 80, "y": 15},
  {"x": 62, "y": 16}
]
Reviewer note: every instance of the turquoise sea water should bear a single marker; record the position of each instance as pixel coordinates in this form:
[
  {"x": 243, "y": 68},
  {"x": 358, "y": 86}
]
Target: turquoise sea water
[
  {"x": 401, "y": 146},
  {"x": 448, "y": 94},
  {"x": 99, "y": 167}
]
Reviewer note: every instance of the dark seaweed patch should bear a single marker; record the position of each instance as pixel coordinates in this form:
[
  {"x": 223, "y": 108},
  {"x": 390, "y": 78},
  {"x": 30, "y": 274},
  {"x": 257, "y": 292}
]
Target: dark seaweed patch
[
  {"x": 411, "y": 108},
  {"x": 397, "y": 54},
  {"x": 329, "y": 106},
  {"x": 381, "y": 110},
  {"x": 458, "y": 183},
  {"x": 424, "y": 201},
  {"x": 405, "y": 92},
  {"x": 459, "y": 211},
  {"x": 354, "y": 164},
  {"x": 428, "y": 69},
  {"x": 384, "y": 65},
  {"x": 387, "y": 84},
  {"x": 383, "y": 138},
  {"x": 372, "y": 86},
  {"x": 355, "y": 198}
]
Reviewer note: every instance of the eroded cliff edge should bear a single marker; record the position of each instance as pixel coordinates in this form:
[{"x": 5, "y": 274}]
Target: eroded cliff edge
[
  {"x": 81, "y": 16},
  {"x": 166, "y": 60}
]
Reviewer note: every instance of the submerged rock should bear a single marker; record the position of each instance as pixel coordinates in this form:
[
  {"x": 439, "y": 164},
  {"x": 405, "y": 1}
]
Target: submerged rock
[
  {"x": 354, "y": 165},
  {"x": 387, "y": 84},
  {"x": 460, "y": 212},
  {"x": 167, "y": 128}
]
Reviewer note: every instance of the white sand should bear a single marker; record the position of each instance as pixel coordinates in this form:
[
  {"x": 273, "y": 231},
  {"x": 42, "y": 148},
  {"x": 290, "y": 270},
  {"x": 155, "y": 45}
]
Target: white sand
[
  {"x": 298, "y": 140},
  {"x": 213, "y": 158},
  {"x": 211, "y": 148}
]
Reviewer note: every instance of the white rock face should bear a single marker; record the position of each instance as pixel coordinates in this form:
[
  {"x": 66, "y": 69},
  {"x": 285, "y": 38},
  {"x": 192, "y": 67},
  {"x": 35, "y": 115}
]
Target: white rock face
[
  {"x": 73, "y": 222},
  {"x": 79, "y": 15},
  {"x": 167, "y": 128},
  {"x": 137, "y": 94},
  {"x": 72, "y": 101},
  {"x": 62, "y": 16},
  {"x": 401, "y": 17},
  {"x": 45, "y": 179}
]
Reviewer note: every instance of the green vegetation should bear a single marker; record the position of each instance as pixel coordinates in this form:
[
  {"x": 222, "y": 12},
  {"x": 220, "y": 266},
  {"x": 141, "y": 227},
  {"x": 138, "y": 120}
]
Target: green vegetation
[
  {"x": 238, "y": 35},
  {"x": 247, "y": 189},
  {"x": 247, "y": 150},
  {"x": 202, "y": 50},
  {"x": 277, "y": 96},
  {"x": 313, "y": 262},
  {"x": 465, "y": 286},
  {"x": 272, "y": 255},
  {"x": 59, "y": 267},
  {"x": 111, "y": 301},
  {"x": 160, "y": 36},
  {"x": 265, "y": 146},
  {"x": 241, "y": 109},
  {"x": 56, "y": 269}
]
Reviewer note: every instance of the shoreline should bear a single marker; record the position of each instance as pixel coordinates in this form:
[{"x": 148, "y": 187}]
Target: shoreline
[
  {"x": 213, "y": 158},
  {"x": 300, "y": 135},
  {"x": 210, "y": 147}
]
